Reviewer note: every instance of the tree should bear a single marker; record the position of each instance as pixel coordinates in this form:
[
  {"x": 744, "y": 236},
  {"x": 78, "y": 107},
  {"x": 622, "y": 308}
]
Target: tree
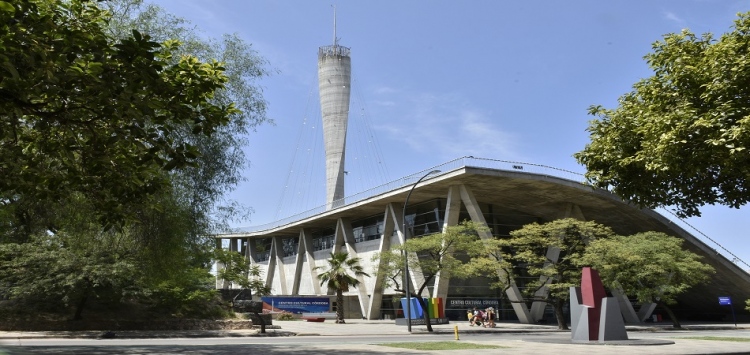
[
  {"x": 549, "y": 253},
  {"x": 221, "y": 155},
  {"x": 238, "y": 269},
  {"x": 45, "y": 275},
  {"x": 456, "y": 253},
  {"x": 680, "y": 138},
  {"x": 651, "y": 266},
  {"x": 200, "y": 189},
  {"x": 129, "y": 130},
  {"x": 338, "y": 278},
  {"x": 80, "y": 113}
]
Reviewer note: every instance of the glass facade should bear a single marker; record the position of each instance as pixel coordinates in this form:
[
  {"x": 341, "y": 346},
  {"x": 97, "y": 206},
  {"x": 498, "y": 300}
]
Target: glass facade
[
  {"x": 323, "y": 239},
  {"x": 262, "y": 249},
  {"x": 370, "y": 228},
  {"x": 290, "y": 246}
]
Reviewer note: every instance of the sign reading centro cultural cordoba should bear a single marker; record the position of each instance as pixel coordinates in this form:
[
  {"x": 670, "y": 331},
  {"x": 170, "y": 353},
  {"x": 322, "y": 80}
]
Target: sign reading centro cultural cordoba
[
  {"x": 297, "y": 305},
  {"x": 464, "y": 303}
]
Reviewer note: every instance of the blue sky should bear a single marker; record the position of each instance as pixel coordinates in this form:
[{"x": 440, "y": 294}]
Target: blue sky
[{"x": 438, "y": 80}]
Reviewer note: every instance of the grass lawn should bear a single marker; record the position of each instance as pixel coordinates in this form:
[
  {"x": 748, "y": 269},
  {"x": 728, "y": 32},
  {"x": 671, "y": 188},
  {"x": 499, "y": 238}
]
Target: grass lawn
[
  {"x": 441, "y": 345},
  {"x": 740, "y": 340}
]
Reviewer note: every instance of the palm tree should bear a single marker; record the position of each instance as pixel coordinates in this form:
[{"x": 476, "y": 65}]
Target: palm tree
[{"x": 338, "y": 278}]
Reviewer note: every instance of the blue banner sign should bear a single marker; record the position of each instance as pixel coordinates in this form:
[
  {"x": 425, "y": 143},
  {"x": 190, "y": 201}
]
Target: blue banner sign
[
  {"x": 725, "y": 301},
  {"x": 296, "y": 305}
]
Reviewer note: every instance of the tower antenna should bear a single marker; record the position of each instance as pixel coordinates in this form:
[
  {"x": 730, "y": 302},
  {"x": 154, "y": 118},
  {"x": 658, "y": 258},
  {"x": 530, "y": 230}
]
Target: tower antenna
[{"x": 335, "y": 40}]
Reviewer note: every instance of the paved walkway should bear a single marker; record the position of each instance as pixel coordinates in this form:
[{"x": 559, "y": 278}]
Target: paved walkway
[{"x": 553, "y": 341}]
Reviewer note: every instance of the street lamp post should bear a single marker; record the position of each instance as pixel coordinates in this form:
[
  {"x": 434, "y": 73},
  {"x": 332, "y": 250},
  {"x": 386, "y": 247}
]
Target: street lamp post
[{"x": 406, "y": 255}]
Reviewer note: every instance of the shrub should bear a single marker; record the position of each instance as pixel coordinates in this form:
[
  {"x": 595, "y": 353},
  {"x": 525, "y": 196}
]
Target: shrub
[{"x": 285, "y": 316}]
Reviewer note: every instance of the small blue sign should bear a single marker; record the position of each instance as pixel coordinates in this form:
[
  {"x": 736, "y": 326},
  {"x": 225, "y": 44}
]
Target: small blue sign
[{"x": 725, "y": 301}]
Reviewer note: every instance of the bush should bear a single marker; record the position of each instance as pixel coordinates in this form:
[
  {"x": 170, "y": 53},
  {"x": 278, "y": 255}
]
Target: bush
[
  {"x": 184, "y": 302},
  {"x": 285, "y": 316}
]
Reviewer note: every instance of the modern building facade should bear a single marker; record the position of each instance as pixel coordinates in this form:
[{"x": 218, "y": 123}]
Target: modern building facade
[{"x": 502, "y": 195}]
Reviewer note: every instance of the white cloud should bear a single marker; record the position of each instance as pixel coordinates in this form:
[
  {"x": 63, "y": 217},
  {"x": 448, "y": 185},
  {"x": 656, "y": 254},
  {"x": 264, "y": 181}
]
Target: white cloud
[
  {"x": 444, "y": 124},
  {"x": 671, "y": 16},
  {"x": 384, "y": 90}
]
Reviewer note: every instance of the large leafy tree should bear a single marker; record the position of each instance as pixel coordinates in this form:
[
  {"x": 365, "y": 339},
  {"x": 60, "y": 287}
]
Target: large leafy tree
[
  {"x": 457, "y": 253},
  {"x": 81, "y": 114},
  {"x": 549, "y": 254},
  {"x": 651, "y": 266},
  {"x": 45, "y": 276},
  {"x": 221, "y": 160},
  {"x": 681, "y": 137},
  {"x": 339, "y": 276},
  {"x": 119, "y": 128}
]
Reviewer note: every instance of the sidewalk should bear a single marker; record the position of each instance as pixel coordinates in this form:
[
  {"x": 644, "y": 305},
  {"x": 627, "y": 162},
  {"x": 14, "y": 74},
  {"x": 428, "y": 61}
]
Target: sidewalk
[
  {"x": 352, "y": 327},
  {"x": 553, "y": 341}
]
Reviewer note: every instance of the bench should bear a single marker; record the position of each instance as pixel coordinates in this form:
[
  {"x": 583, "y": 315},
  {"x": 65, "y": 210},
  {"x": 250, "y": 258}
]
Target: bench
[{"x": 318, "y": 317}]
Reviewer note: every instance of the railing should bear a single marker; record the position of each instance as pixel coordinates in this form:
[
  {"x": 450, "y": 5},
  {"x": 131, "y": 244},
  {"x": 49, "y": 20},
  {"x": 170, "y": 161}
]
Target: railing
[
  {"x": 411, "y": 179},
  {"x": 446, "y": 168},
  {"x": 329, "y": 51}
]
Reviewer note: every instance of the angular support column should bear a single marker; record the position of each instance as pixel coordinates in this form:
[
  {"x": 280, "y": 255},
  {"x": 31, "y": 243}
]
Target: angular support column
[
  {"x": 344, "y": 237},
  {"x": 452, "y": 211},
  {"x": 376, "y": 298},
  {"x": 513, "y": 293}
]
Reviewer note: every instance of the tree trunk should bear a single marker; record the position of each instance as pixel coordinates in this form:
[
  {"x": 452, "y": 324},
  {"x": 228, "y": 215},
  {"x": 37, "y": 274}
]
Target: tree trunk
[
  {"x": 79, "y": 307},
  {"x": 675, "y": 323},
  {"x": 425, "y": 314},
  {"x": 562, "y": 324},
  {"x": 340, "y": 307}
]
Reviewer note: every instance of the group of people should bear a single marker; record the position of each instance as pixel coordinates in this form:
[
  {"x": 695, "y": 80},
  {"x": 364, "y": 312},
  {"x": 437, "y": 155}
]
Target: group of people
[{"x": 481, "y": 317}]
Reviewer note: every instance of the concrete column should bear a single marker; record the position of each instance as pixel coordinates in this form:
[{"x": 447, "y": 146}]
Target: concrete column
[
  {"x": 344, "y": 237},
  {"x": 376, "y": 296},
  {"x": 513, "y": 293},
  {"x": 298, "y": 263},
  {"x": 452, "y": 211}
]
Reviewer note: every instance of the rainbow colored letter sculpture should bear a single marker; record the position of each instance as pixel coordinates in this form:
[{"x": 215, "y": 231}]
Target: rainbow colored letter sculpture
[{"x": 593, "y": 315}]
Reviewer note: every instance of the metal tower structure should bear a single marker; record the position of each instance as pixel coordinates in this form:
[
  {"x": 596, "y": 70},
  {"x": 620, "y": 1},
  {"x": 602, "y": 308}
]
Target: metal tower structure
[{"x": 334, "y": 86}]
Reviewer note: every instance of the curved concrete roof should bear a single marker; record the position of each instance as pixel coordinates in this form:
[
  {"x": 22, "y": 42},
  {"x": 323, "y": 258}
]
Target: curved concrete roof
[{"x": 544, "y": 197}]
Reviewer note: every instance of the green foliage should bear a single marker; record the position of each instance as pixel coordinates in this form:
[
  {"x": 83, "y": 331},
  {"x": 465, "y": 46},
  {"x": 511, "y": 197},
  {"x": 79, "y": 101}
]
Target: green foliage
[
  {"x": 84, "y": 114},
  {"x": 185, "y": 298},
  {"x": 442, "y": 345},
  {"x": 221, "y": 156},
  {"x": 456, "y": 253},
  {"x": 549, "y": 253},
  {"x": 285, "y": 316},
  {"x": 108, "y": 122},
  {"x": 568, "y": 236},
  {"x": 338, "y": 277},
  {"x": 650, "y": 266},
  {"x": 50, "y": 272},
  {"x": 448, "y": 253},
  {"x": 237, "y": 269},
  {"x": 680, "y": 138}
]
